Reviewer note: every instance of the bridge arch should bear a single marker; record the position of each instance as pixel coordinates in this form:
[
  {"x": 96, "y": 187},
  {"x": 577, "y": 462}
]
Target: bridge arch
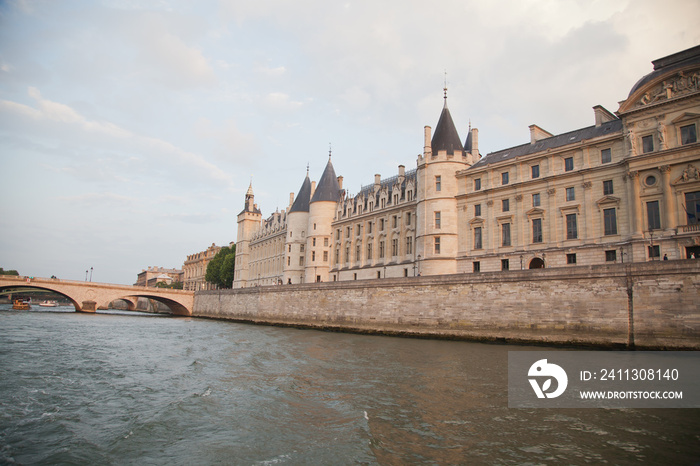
[{"x": 88, "y": 296}]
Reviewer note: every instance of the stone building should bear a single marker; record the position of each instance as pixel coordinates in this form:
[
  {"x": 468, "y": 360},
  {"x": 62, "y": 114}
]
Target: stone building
[
  {"x": 625, "y": 189},
  {"x": 195, "y": 268},
  {"x": 153, "y": 275}
]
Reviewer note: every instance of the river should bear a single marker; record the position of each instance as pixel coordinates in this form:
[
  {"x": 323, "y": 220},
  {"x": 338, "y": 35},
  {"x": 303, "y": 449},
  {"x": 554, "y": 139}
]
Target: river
[{"x": 120, "y": 389}]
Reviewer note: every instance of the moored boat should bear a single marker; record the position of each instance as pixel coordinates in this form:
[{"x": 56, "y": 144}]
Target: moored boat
[
  {"x": 20, "y": 304},
  {"x": 48, "y": 303}
]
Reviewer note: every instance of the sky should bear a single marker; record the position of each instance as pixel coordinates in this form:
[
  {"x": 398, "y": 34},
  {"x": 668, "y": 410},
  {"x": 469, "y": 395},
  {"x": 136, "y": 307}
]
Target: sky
[{"x": 130, "y": 130}]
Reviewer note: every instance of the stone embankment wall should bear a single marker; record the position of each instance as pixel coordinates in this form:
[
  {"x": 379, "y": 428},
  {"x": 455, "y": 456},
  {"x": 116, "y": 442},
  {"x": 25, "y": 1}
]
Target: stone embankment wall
[{"x": 643, "y": 305}]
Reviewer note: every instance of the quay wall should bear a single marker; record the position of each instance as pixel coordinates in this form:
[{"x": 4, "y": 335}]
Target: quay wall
[{"x": 643, "y": 305}]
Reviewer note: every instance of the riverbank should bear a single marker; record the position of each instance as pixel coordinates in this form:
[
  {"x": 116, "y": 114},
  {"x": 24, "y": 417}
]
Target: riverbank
[{"x": 653, "y": 305}]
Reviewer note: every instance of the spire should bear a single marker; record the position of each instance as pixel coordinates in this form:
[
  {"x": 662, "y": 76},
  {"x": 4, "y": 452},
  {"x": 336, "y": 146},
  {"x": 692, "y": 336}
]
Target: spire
[
  {"x": 445, "y": 89},
  {"x": 468, "y": 142},
  {"x": 446, "y": 137},
  {"x": 249, "y": 193},
  {"x": 301, "y": 203},
  {"x": 328, "y": 188}
]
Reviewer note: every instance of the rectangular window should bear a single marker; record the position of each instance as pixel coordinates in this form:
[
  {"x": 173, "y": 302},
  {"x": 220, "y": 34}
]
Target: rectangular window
[
  {"x": 301, "y": 248},
  {"x": 610, "y": 221},
  {"x": 358, "y": 230},
  {"x": 313, "y": 241},
  {"x": 438, "y": 183},
  {"x": 437, "y": 245},
  {"x": 536, "y": 200},
  {"x": 653, "y": 215},
  {"x": 290, "y": 248},
  {"x": 505, "y": 234},
  {"x": 505, "y": 204},
  {"x": 692, "y": 207},
  {"x": 358, "y": 248},
  {"x": 394, "y": 247},
  {"x": 605, "y": 156},
  {"x": 647, "y": 144},
  {"x": 381, "y": 224},
  {"x": 301, "y": 260},
  {"x": 688, "y": 134},
  {"x": 570, "y": 194},
  {"x": 505, "y": 264},
  {"x": 476, "y": 266},
  {"x": 504, "y": 178},
  {"x": 337, "y": 235},
  {"x": 607, "y": 187},
  {"x": 409, "y": 245},
  {"x": 536, "y": 230},
  {"x": 477, "y": 238},
  {"x": 381, "y": 249},
  {"x": 289, "y": 260},
  {"x": 437, "y": 220},
  {"x": 571, "y": 258},
  {"x": 571, "y": 227},
  {"x": 408, "y": 218},
  {"x": 347, "y": 254},
  {"x": 313, "y": 256},
  {"x": 394, "y": 221},
  {"x": 535, "y": 171},
  {"x": 369, "y": 227},
  {"x": 369, "y": 251},
  {"x": 477, "y": 184},
  {"x": 477, "y": 210},
  {"x": 653, "y": 251},
  {"x": 568, "y": 164},
  {"x": 325, "y": 256},
  {"x": 611, "y": 255}
]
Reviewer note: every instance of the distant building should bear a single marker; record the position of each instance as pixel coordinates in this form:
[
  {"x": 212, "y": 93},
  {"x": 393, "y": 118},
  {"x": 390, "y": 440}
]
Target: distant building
[
  {"x": 149, "y": 277},
  {"x": 626, "y": 189},
  {"x": 195, "y": 269}
]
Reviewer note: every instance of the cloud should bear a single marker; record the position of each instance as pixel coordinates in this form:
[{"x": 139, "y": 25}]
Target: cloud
[{"x": 61, "y": 122}]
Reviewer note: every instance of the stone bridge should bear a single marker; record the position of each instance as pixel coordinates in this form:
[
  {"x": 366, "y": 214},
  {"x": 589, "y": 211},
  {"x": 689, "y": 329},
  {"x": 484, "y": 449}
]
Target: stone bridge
[{"x": 88, "y": 296}]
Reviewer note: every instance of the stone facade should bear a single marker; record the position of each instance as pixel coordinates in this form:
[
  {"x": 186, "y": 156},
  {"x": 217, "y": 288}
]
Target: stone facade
[
  {"x": 626, "y": 189},
  {"x": 152, "y": 275},
  {"x": 645, "y": 305},
  {"x": 195, "y": 269}
]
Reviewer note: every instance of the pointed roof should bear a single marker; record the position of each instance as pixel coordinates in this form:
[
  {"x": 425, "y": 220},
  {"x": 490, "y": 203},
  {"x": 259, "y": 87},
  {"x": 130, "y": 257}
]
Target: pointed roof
[
  {"x": 250, "y": 189},
  {"x": 301, "y": 203},
  {"x": 446, "y": 137},
  {"x": 468, "y": 142},
  {"x": 328, "y": 188}
]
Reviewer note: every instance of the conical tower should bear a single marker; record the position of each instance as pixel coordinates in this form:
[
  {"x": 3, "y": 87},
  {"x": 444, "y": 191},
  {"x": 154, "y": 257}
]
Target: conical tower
[
  {"x": 436, "y": 210},
  {"x": 321, "y": 213},
  {"x": 297, "y": 227}
]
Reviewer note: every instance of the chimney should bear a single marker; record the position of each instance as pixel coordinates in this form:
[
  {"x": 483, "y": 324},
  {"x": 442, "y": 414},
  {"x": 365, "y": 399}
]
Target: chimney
[
  {"x": 537, "y": 133},
  {"x": 402, "y": 170},
  {"x": 340, "y": 182},
  {"x": 291, "y": 199},
  {"x": 377, "y": 180},
  {"x": 427, "y": 149},
  {"x": 313, "y": 189},
  {"x": 602, "y": 115}
]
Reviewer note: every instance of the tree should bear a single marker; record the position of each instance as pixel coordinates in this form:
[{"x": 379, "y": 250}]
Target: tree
[
  {"x": 8, "y": 272},
  {"x": 220, "y": 269}
]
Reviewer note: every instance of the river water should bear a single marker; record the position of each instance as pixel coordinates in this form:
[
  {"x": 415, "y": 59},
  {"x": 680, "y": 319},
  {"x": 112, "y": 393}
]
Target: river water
[{"x": 137, "y": 389}]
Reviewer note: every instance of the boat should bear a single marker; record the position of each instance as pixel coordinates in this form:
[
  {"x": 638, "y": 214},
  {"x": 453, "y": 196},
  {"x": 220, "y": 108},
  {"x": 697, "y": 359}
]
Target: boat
[
  {"x": 20, "y": 305},
  {"x": 48, "y": 303}
]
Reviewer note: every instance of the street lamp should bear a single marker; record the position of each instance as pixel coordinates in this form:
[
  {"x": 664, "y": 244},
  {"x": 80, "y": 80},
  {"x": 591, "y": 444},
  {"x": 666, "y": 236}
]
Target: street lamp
[
  {"x": 90, "y": 273},
  {"x": 86, "y": 275},
  {"x": 419, "y": 265}
]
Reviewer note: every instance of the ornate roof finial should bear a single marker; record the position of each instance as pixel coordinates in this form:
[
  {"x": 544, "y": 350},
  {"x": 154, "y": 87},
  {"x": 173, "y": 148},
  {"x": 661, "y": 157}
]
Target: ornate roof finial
[
  {"x": 330, "y": 151},
  {"x": 307, "y": 168},
  {"x": 445, "y": 88}
]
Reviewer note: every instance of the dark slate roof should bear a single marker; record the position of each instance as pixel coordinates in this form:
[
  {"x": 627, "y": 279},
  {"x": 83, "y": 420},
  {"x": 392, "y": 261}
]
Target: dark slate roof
[
  {"x": 328, "y": 188},
  {"x": 468, "y": 142},
  {"x": 609, "y": 127},
  {"x": 446, "y": 136},
  {"x": 368, "y": 190},
  {"x": 678, "y": 60},
  {"x": 301, "y": 203}
]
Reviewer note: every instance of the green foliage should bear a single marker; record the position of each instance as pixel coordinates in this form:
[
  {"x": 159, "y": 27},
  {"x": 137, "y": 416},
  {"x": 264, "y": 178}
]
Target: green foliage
[
  {"x": 8, "y": 272},
  {"x": 221, "y": 267}
]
